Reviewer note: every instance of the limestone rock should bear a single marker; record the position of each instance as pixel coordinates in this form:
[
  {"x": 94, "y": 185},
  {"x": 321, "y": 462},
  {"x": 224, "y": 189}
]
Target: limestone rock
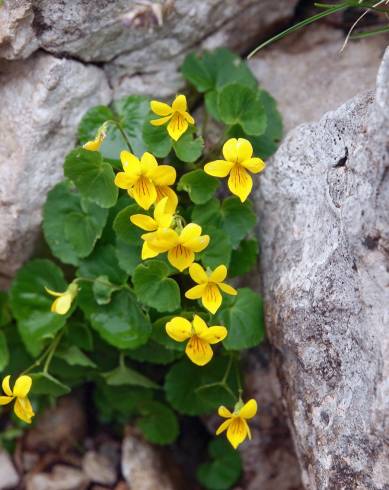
[
  {"x": 324, "y": 226},
  {"x": 61, "y": 478},
  {"x": 309, "y": 76},
  {"x": 43, "y": 99},
  {"x": 8, "y": 475},
  {"x": 142, "y": 466},
  {"x": 98, "y": 468}
]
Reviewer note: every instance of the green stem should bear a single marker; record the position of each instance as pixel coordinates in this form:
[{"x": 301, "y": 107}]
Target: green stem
[
  {"x": 123, "y": 133},
  {"x": 52, "y": 350},
  {"x": 122, "y": 359}
]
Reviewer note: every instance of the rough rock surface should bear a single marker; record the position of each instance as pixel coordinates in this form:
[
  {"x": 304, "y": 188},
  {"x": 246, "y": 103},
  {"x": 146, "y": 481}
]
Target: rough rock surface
[
  {"x": 324, "y": 219},
  {"x": 9, "y": 477},
  {"x": 309, "y": 75},
  {"x": 42, "y": 101}
]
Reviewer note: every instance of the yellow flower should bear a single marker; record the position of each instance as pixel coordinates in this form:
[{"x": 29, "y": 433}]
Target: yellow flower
[
  {"x": 162, "y": 219},
  {"x": 208, "y": 286},
  {"x": 200, "y": 336},
  {"x": 64, "y": 300},
  {"x": 95, "y": 144},
  {"x": 177, "y": 116},
  {"x": 142, "y": 178},
  {"x": 238, "y": 161},
  {"x": 22, "y": 407},
  {"x": 236, "y": 423},
  {"x": 181, "y": 247}
]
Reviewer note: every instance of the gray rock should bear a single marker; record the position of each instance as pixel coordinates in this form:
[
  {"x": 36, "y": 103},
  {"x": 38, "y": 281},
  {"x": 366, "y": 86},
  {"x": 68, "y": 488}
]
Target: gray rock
[
  {"x": 324, "y": 226},
  {"x": 309, "y": 76},
  {"x": 98, "y": 468},
  {"x": 43, "y": 99},
  {"x": 142, "y": 467},
  {"x": 8, "y": 475},
  {"x": 61, "y": 478}
]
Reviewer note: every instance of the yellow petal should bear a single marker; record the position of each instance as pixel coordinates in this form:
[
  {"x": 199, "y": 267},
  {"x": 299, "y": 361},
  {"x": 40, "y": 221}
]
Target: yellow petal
[
  {"x": 199, "y": 325},
  {"x": 226, "y": 288},
  {"x": 249, "y": 409},
  {"x": 62, "y": 305},
  {"x": 180, "y": 104},
  {"x": 93, "y": 145},
  {"x": 212, "y": 298},
  {"x": 148, "y": 252},
  {"x": 244, "y": 149},
  {"x": 188, "y": 117},
  {"x": 4, "y": 400},
  {"x": 53, "y": 293},
  {"x": 144, "y": 192},
  {"x": 255, "y": 165},
  {"x": 196, "y": 292},
  {"x": 247, "y": 429},
  {"x": 160, "y": 108},
  {"x": 219, "y": 274},
  {"x": 124, "y": 180},
  {"x": 172, "y": 199},
  {"x": 230, "y": 150},
  {"x": 218, "y": 168},
  {"x": 130, "y": 162},
  {"x": 180, "y": 257},
  {"x": 198, "y": 244},
  {"x": 23, "y": 410},
  {"x": 162, "y": 240},
  {"x": 5, "y": 385},
  {"x": 179, "y": 329},
  {"x": 163, "y": 175},
  {"x": 198, "y": 351},
  {"x": 240, "y": 182},
  {"x": 148, "y": 164},
  {"x": 237, "y": 432},
  {"x": 161, "y": 121},
  {"x": 189, "y": 232},
  {"x": 224, "y": 412},
  {"x": 223, "y": 426},
  {"x": 214, "y": 334},
  {"x": 144, "y": 222},
  {"x": 22, "y": 386},
  {"x": 177, "y": 126},
  {"x": 159, "y": 210},
  {"x": 198, "y": 274}
]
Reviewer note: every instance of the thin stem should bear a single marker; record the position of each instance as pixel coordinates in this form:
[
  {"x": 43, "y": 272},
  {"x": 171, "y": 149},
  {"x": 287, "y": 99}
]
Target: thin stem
[
  {"x": 123, "y": 133},
  {"x": 122, "y": 360},
  {"x": 52, "y": 350}
]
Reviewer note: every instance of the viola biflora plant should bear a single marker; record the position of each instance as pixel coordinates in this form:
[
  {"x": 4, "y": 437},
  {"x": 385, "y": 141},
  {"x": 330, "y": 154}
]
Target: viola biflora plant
[{"x": 146, "y": 232}]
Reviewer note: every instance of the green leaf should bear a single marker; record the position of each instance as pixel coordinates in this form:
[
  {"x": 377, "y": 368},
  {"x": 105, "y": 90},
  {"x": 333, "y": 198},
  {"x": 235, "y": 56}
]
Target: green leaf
[
  {"x": 129, "y": 256},
  {"x": 124, "y": 229},
  {"x": 157, "y": 140},
  {"x": 103, "y": 289},
  {"x": 244, "y": 321},
  {"x": 207, "y": 214},
  {"x": 188, "y": 391},
  {"x": 159, "y": 423},
  {"x": 187, "y": 148},
  {"x": 241, "y": 105},
  {"x": 123, "y": 375},
  {"x": 79, "y": 334},
  {"x": 84, "y": 228},
  {"x": 200, "y": 186},
  {"x": 5, "y": 311},
  {"x": 244, "y": 258},
  {"x": 45, "y": 384},
  {"x": 133, "y": 111},
  {"x": 61, "y": 201},
  {"x": 212, "y": 105},
  {"x": 238, "y": 219},
  {"x": 219, "y": 249},
  {"x": 103, "y": 262},
  {"x": 154, "y": 288},
  {"x": 216, "y": 69},
  {"x": 31, "y": 304},
  {"x": 91, "y": 121},
  {"x": 121, "y": 323},
  {"x": 154, "y": 353},
  {"x": 224, "y": 469},
  {"x": 74, "y": 357},
  {"x": 4, "y": 352},
  {"x": 92, "y": 177}
]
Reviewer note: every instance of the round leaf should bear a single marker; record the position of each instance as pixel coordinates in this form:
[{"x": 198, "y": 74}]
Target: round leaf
[
  {"x": 200, "y": 186},
  {"x": 159, "y": 423},
  {"x": 238, "y": 219}
]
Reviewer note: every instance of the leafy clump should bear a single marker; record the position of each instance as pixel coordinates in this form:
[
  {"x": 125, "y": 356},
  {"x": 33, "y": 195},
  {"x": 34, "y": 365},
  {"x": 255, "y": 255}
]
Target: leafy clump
[{"x": 149, "y": 234}]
